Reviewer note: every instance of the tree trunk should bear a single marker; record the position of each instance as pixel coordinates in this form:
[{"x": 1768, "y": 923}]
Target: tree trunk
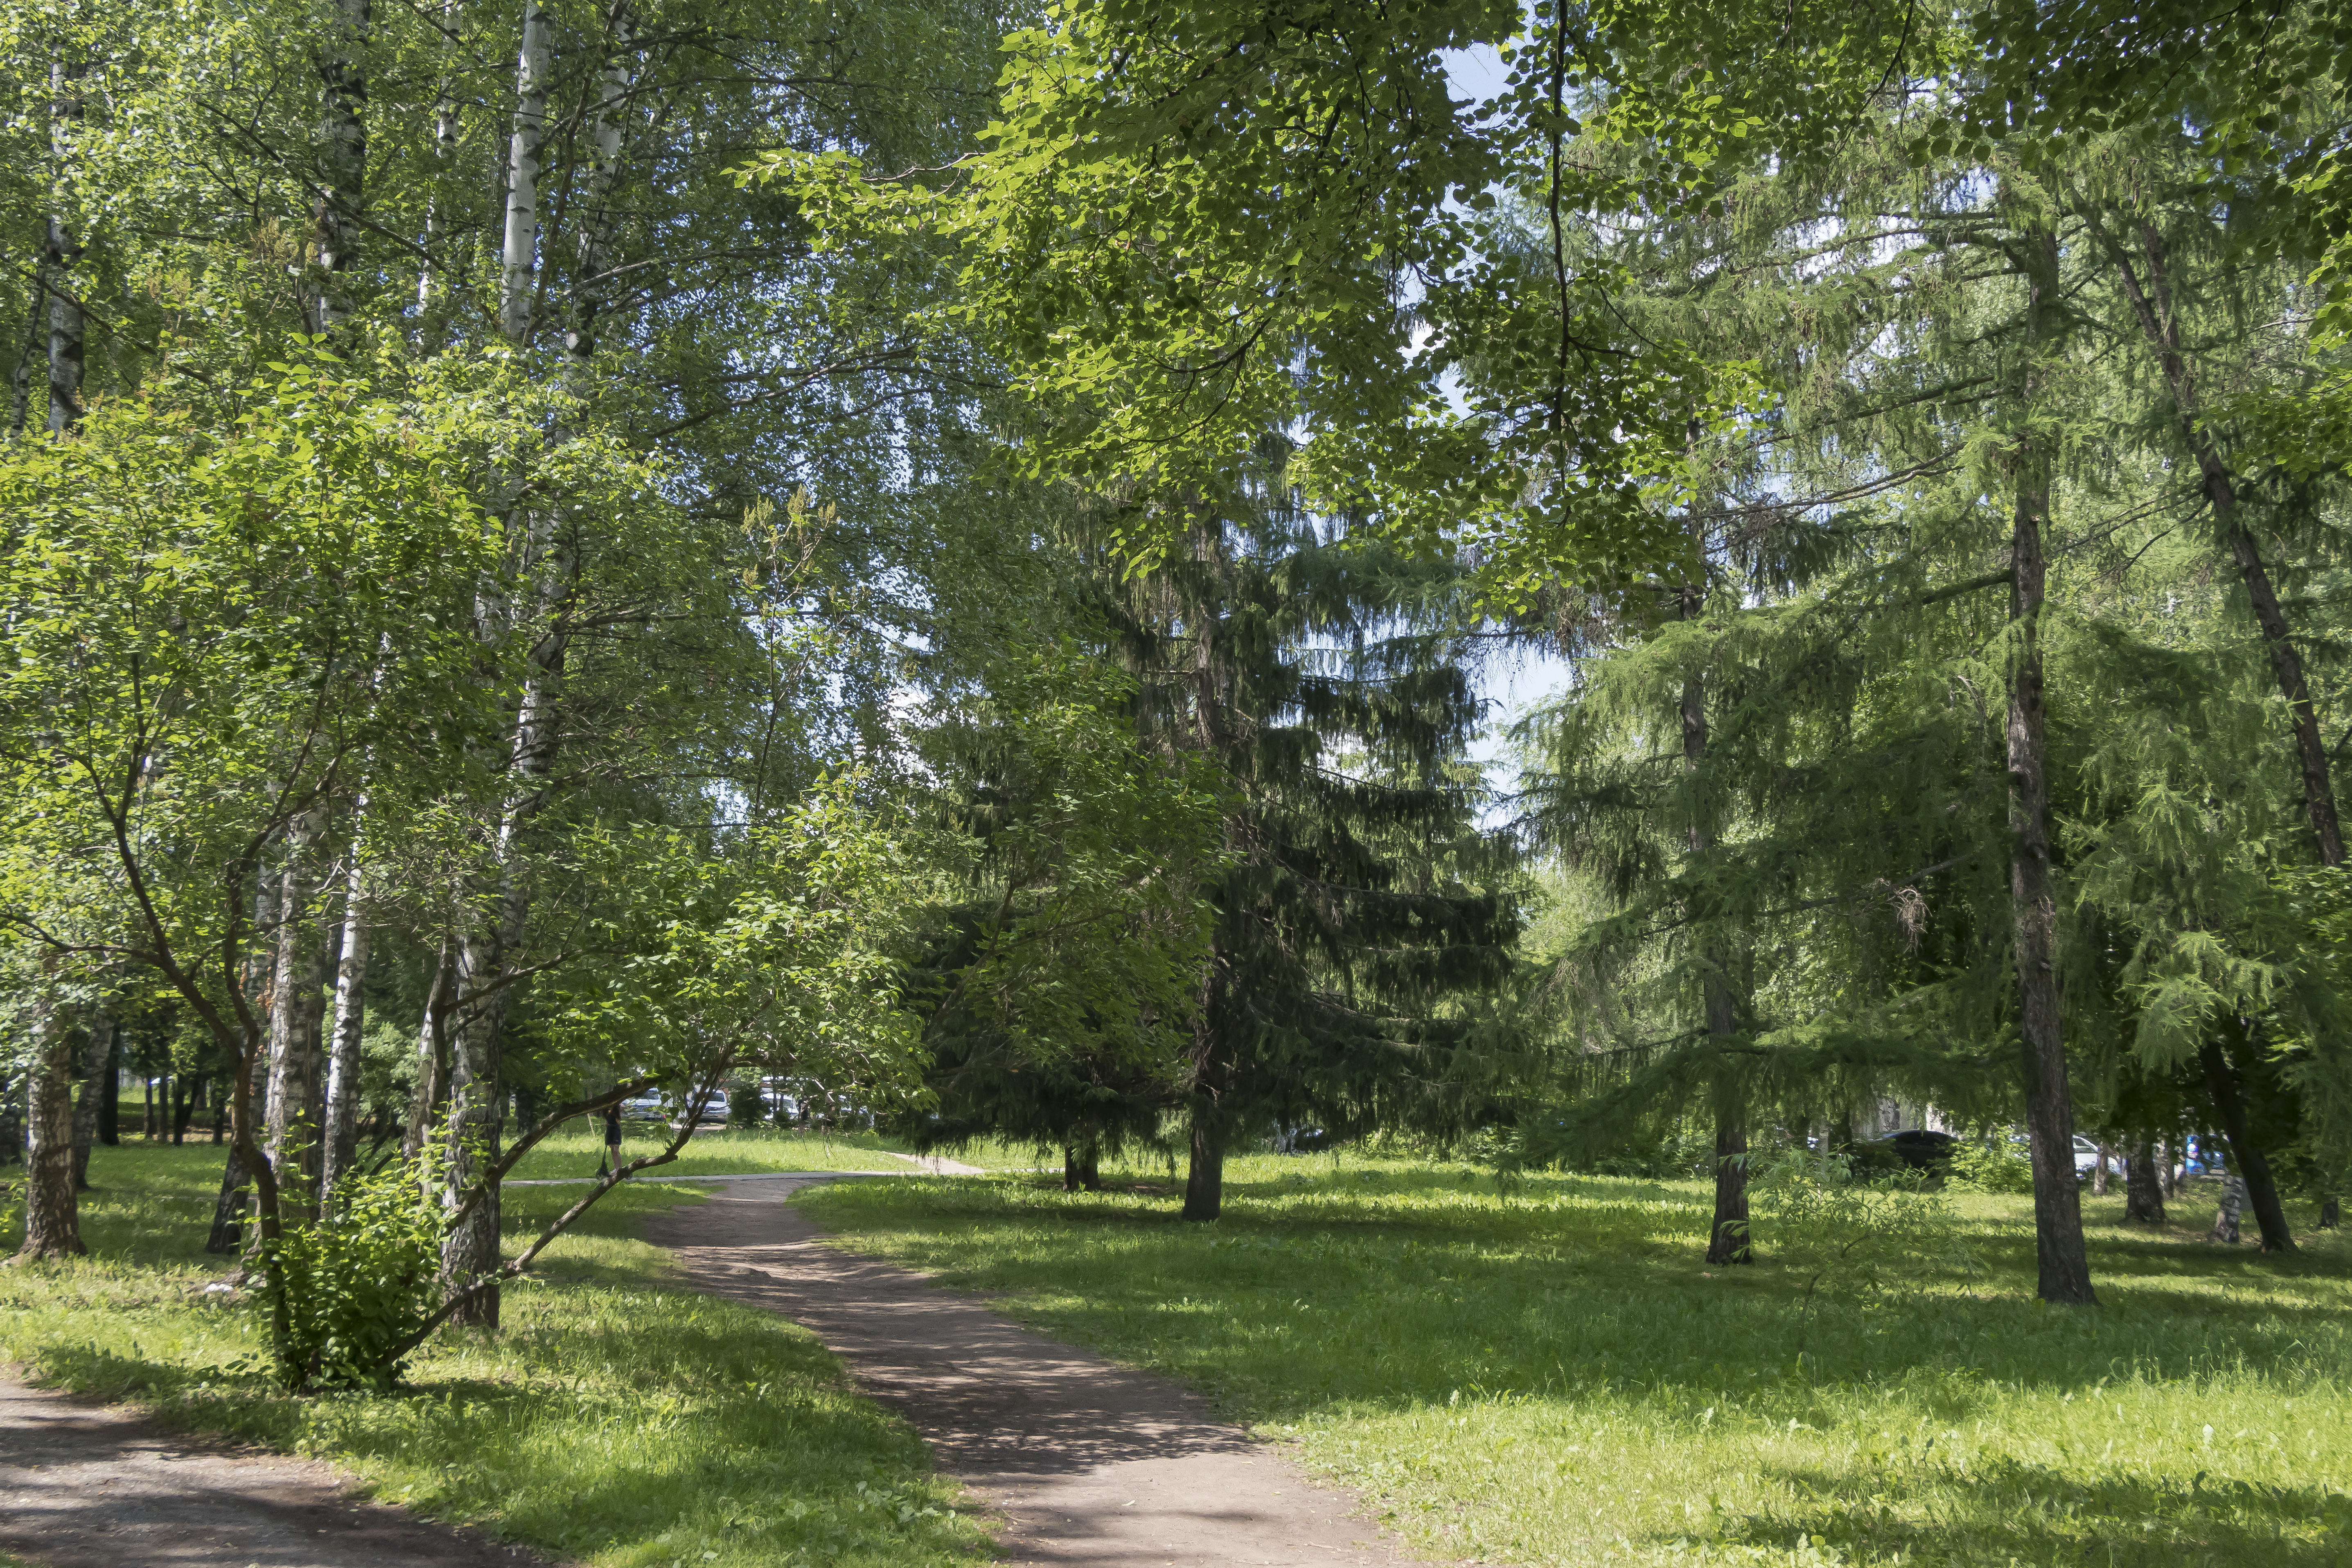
[
  {"x": 2247, "y": 1162},
  {"x": 229, "y": 1210},
  {"x": 2063, "y": 1266},
  {"x": 337, "y": 220},
  {"x": 431, "y": 1084},
  {"x": 12, "y": 1119},
  {"x": 432, "y": 288},
  {"x": 2162, "y": 328},
  {"x": 293, "y": 1096},
  {"x": 1726, "y": 1235},
  {"x": 342, "y": 1132},
  {"x": 594, "y": 230},
  {"x": 1727, "y": 1241},
  {"x": 52, "y": 1213},
  {"x": 2142, "y": 1193},
  {"x": 97, "y": 1055},
  {"x": 110, "y": 1097},
  {"x": 477, "y": 1098},
  {"x": 61, "y": 251},
  {"x": 519, "y": 255},
  {"x": 1204, "y": 1183},
  {"x": 34, "y": 348}
]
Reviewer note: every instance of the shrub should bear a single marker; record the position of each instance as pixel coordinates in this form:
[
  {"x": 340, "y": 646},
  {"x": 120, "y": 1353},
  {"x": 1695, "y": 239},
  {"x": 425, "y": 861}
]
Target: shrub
[
  {"x": 1998, "y": 1165},
  {"x": 355, "y": 1287}
]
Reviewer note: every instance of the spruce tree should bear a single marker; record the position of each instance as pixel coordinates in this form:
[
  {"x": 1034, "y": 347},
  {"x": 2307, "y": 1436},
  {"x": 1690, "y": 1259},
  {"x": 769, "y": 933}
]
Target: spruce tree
[{"x": 1357, "y": 937}]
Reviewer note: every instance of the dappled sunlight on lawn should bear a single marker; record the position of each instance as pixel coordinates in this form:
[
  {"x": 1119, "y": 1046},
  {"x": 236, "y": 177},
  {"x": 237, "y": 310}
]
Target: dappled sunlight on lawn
[{"x": 1551, "y": 1374}]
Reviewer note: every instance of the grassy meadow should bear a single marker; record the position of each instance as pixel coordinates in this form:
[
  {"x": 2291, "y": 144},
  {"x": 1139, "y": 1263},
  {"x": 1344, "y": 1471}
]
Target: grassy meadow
[
  {"x": 617, "y": 1418},
  {"x": 573, "y": 1153},
  {"x": 1554, "y": 1376}
]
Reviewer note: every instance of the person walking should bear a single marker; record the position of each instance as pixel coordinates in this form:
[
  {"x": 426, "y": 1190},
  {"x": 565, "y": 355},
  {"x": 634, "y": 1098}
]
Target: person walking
[{"x": 612, "y": 1160}]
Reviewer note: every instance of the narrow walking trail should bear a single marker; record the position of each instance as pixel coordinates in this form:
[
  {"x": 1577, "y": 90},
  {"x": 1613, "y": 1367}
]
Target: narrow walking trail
[
  {"x": 87, "y": 1487},
  {"x": 1088, "y": 1463}
]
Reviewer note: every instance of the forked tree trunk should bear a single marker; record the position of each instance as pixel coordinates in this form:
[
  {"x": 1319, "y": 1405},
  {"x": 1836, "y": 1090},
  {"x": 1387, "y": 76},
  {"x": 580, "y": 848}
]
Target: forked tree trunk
[
  {"x": 2062, "y": 1267},
  {"x": 229, "y": 1210},
  {"x": 2143, "y": 1192},
  {"x": 52, "y": 1213}
]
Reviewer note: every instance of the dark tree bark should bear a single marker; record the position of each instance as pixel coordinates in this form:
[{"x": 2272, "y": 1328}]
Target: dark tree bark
[
  {"x": 12, "y": 1119},
  {"x": 1081, "y": 1166},
  {"x": 97, "y": 1054},
  {"x": 2142, "y": 1193},
  {"x": 228, "y": 1209},
  {"x": 1204, "y": 1182},
  {"x": 1727, "y": 1241},
  {"x": 52, "y": 1213},
  {"x": 109, "y": 1093},
  {"x": 2247, "y": 1161},
  {"x": 2331, "y": 1213},
  {"x": 1727, "y": 1235},
  {"x": 2062, "y": 1267}
]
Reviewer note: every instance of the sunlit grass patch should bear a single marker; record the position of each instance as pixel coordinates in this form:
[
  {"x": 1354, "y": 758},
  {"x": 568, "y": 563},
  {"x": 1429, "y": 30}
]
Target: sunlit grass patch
[
  {"x": 1554, "y": 1376},
  {"x": 614, "y": 1418},
  {"x": 576, "y": 1150}
]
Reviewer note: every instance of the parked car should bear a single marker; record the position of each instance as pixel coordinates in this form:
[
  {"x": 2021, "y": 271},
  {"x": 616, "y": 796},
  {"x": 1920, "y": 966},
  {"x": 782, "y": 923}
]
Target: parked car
[
  {"x": 1922, "y": 1149},
  {"x": 1915, "y": 1148},
  {"x": 2086, "y": 1158}
]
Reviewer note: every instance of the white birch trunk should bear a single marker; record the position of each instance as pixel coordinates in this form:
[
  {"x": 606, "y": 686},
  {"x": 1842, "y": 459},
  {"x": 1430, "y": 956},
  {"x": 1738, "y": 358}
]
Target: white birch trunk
[
  {"x": 519, "y": 255},
  {"x": 432, "y": 288},
  {"x": 342, "y": 1132},
  {"x": 60, "y": 251},
  {"x": 343, "y": 159}
]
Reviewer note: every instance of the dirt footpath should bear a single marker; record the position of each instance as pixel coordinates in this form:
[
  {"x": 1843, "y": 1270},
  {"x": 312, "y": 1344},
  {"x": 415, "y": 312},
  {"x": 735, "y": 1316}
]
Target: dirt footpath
[
  {"x": 87, "y": 1487},
  {"x": 1089, "y": 1463}
]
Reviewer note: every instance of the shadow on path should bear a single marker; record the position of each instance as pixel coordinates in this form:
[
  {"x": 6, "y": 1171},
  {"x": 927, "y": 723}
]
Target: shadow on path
[
  {"x": 88, "y": 1487},
  {"x": 1088, "y": 1463}
]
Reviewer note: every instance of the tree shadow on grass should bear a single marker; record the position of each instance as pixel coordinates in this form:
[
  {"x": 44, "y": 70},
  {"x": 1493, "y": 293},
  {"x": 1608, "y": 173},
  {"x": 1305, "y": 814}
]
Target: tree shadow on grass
[{"x": 2007, "y": 1511}]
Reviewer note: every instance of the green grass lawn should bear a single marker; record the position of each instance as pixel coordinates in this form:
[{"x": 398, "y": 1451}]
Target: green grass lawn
[
  {"x": 1555, "y": 1377},
  {"x": 617, "y": 1419},
  {"x": 734, "y": 1151}
]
